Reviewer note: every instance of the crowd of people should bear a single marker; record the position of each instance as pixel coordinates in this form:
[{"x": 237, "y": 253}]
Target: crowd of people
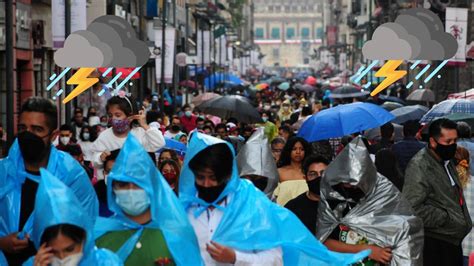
[{"x": 108, "y": 188}]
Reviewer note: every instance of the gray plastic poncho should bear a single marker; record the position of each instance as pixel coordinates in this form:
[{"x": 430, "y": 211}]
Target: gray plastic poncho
[
  {"x": 382, "y": 215},
  {"x": 255, "y": 158}
]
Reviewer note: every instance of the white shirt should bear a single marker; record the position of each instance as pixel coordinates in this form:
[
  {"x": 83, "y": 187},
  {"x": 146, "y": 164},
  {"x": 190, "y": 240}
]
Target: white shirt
[
  {"x": 86, "y": 147},
  {"x": 151, "y": 139},
  {"x": 206, "y": 224}
]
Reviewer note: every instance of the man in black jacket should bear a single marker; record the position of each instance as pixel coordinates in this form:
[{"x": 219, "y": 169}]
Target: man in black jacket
[{"x": 432, "y": 187}]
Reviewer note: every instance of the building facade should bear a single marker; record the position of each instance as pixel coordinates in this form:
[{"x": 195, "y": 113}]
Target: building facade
[{"x": 288, "y": 31}]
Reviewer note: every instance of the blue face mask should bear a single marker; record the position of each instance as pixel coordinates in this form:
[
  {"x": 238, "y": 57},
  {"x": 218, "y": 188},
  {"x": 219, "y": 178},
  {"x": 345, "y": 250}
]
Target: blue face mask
[
  {"x": 265, "y": 119},
  {"x": 132, "y": 201}
]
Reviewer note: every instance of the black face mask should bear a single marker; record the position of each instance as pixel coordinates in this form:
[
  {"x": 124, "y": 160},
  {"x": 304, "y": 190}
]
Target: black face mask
[
  {"x": 314, "y": 186},
  {"x": 32, "y": 147},
  {"x": 260, "y": 183},
  {"x": 210, "y": 194},
  {"x": 355, "y": 194},
  {"x": 446, "y": 152},
  {"x": 175, "y": 128}
]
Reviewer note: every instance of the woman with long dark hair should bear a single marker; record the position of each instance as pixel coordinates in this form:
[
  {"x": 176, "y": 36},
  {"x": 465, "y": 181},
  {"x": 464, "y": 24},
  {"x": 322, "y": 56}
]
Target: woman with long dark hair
[{"x": 292, "y": 181}]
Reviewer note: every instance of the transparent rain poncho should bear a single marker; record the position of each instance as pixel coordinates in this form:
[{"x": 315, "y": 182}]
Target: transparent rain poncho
[
  {"x": 134, "y": 165},
  {"x": 13, "y": 175},
  {"x": 57, "y": 204},
  {"x": 252, "y": 222}
]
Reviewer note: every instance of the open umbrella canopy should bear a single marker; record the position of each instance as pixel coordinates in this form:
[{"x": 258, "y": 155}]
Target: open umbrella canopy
[
  {"x": 175, "y": 145},
  {"x": 348, "y": 91},
  {"x": 227, "y": 78},
  {"x": 343, "y": 120},
  {"x": 447, "y": 107},
  {"x": 392, "y": 99},
  {"x": 390, "y": 106},
  {"x": 460, "y": 117},
  {"x": 421, "y": 95},
  {"x": 262, "y": 86},
  {"x": 305, "y": 87},
  {"x": 407, "y": 113},
  {"x": 235, "y": 106},
  {"x": 204, "y": 97},
  {"x": 284, "y": 86},
  {"x": 311, "y": 81},
  {"x": 469, "y": 94}
]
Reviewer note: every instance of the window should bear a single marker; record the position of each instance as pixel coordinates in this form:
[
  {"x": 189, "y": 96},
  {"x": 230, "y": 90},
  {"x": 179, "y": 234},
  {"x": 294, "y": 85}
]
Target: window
[
  {"x": 305, "y": 33},
  {"x": 290, "y": 33},
  {"x": 277, "y": 9},
  {"x": 276, "y": 52},
  {"x": 270, "y": 8},
  {"x": 259, "y": 33},
  {"x": 275, "y": 33},
  {"x": 295, "y": 9},
  {"x": 306, "y": 61},
  {"x": 287, "y": 8},
  {"x": 319, "y": 33}
]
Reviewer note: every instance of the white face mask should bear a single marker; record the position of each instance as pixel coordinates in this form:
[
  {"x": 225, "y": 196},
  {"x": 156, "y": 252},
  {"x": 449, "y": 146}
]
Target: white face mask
[
  {"x": 72, "y": 260},
  {"x": 65, "y": 140}
]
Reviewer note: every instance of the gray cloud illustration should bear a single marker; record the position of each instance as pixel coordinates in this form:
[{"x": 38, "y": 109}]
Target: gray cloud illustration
[
  {"x": 421, "y": 29},
  {"x": 109, "y": 41}
]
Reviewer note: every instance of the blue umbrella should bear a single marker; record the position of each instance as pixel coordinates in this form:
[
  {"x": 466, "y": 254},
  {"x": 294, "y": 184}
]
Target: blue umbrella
[
  {"x": 172, "y": 144},
  {"x": 284, "y": 86},
  {"x": 407, "y": 113},
  {"x": 343, "y": 120},
  {"x": 447, "y": 107},
  {"x": 211, "y": 81}
]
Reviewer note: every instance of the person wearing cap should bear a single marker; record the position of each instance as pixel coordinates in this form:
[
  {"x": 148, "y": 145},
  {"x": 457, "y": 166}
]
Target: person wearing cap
[
  {"x": 148, "y": 225},
  {"x": 62, "y": 229},
  {"x": 235, "y": 223}
]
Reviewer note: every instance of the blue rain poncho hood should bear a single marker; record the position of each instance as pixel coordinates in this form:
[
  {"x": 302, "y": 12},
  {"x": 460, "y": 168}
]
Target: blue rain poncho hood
[
  {"x": 383, "y": 216},
  {"x": 56, "y": 204},
  {"x": 252, "y": 222},
  {"x": 134, "y": 165},
  {"x": 13, "y": 175}
]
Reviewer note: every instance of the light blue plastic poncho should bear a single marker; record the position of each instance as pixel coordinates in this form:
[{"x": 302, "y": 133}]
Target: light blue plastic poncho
[
  {"x": 134, "y": 165},
  {"x": 252, "y": 222},
  {"x": 56, "y": 204},
  {"x": 13, "y": 175}
]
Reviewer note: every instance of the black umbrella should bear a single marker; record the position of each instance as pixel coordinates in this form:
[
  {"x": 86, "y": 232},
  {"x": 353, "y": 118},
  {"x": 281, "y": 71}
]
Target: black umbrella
[
  {"x": 306, "y": 88},
  {"x": 229, "y": 106},
  {"x": 392, "y": 99},
  {"x": 406, "y": 113},
  {"x": 348, "y": 92}
]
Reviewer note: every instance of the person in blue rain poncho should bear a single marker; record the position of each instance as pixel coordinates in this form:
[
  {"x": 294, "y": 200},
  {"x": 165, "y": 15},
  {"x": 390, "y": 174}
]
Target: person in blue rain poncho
[
  {"x": 149, "y": 225},
  {"x": 235, "y": 222},
  {"x": 62, "y": 230},
  {"x": 19, "y": 177}
]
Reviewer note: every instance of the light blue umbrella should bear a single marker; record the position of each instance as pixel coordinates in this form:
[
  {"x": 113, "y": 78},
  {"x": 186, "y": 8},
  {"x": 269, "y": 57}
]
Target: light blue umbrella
[
  {"x": 447, "y": 107},
  {"x": 343, "y": 120},
  {"x": 284, "y": 86}
]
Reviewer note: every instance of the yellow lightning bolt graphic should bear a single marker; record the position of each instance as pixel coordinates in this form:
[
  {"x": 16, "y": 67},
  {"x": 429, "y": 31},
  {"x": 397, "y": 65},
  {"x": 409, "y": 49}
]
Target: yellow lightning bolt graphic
[
  {"x": 82, "y": 81},
  {"x": 388, "y": 70}
]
